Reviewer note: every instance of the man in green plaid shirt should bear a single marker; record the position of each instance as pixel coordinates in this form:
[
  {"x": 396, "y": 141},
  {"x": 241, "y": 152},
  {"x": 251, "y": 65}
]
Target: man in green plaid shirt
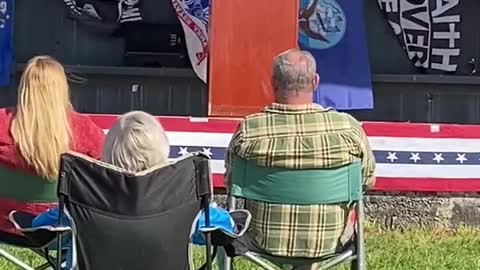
[{"x": 295, "y": 133}]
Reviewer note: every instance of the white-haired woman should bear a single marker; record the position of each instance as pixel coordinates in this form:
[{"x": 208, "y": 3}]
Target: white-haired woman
[{"x": 136, "y": 142}]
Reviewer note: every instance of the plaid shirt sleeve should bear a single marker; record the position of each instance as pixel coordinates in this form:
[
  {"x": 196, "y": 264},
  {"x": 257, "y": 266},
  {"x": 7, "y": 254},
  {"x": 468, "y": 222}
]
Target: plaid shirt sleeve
[
  {"x": 237, "y": 139},
  {"x": 366, "y": 154}
]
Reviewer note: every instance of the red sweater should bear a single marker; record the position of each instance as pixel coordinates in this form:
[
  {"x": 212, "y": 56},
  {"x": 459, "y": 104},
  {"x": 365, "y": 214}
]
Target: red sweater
[{"x": 87, "y": 139}]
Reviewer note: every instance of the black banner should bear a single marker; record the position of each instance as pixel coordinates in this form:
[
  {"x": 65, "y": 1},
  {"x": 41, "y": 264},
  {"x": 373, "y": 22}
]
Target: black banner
[
  {"x": 429, "y": 31},
  {"x": 118, "y": 11}
]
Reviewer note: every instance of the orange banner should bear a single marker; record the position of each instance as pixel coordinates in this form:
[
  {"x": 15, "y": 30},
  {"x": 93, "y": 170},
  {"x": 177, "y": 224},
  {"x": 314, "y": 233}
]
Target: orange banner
[{"x": 245, "y": 35}]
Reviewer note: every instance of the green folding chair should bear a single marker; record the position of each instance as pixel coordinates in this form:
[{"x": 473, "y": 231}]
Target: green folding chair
[
  {"x": 30, "y": 189},
  {"x": 303, "y": 187}
]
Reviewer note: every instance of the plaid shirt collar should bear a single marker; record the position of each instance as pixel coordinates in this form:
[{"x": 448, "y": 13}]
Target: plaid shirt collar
[{"x": 288, "y": 108}]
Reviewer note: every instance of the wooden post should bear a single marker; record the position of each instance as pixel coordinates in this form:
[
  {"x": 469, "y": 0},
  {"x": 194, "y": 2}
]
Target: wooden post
[{"x": 245, "y": 35}]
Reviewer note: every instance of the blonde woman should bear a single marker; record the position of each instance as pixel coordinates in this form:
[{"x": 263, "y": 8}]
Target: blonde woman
[{"x": 41, "y": 127}]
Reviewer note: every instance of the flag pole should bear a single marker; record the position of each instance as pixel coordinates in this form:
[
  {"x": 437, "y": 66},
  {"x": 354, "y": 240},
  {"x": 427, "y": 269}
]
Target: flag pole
[{"x": 209, "y": 39}]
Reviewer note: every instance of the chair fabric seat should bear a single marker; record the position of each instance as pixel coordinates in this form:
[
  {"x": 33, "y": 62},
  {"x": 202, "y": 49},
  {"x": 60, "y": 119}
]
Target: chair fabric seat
[
  {"x": 25, "y": 187},
  {"x": 16, "y": 240},
  {"x": 21, "y": 189},
  {"x": 303, "y": 187}
]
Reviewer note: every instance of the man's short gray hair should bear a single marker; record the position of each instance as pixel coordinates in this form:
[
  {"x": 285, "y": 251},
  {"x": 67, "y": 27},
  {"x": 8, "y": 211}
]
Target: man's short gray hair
[
  {"x": 293, "y": 76},
  {"x": 136, "y": 142}
]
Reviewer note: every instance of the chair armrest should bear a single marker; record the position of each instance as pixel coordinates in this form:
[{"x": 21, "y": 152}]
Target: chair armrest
[{"x": 40, "y": 236}]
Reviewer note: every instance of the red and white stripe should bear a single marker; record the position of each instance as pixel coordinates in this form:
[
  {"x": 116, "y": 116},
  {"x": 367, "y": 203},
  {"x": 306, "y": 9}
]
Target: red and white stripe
[{"x": 383, "y": 136}]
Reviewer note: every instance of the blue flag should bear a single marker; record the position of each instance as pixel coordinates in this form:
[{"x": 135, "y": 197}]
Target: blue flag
[
  {"x": 6, "y": 41},
  {"x": 334, "y": 32}
]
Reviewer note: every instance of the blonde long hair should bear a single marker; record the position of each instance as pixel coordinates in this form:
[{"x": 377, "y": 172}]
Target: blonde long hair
[{"x": 40, "y": 127}]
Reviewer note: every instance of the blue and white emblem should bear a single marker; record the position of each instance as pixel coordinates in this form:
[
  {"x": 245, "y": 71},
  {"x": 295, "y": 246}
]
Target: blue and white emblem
[
  {"x": 4, "y": 16},
  {"x": 199, "y": 9},
  {"x": 322, "y": 24}
]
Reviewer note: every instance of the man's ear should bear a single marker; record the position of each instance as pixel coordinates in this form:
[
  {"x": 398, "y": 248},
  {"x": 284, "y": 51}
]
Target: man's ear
[{"x": 316, "y": 81}]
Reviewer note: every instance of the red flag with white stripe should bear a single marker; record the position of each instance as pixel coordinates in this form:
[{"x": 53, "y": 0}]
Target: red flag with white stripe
[{"x": 410, "y": 157}]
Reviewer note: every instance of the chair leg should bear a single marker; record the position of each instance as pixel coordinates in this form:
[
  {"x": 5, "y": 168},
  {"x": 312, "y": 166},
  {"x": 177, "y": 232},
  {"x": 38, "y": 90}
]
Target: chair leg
[
  {"x": 259, "y": 262},
  {"x": 50, "y": 264},
  {"x": 361, "y": 261},
  {"x": 223, "y": 261},
  {"x": 44, "y": 266},
  {"x": 14, "y": 260},
  {"x": 354, "y": 265}
]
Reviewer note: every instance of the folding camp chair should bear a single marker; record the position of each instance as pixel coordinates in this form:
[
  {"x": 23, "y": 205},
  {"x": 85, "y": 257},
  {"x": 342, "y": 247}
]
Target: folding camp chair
[
  {"x": 38, "y": 239},
  {"x": 124, "y": 220},
  {"x": 26, "y": 188},
  {"x": 302, "y": 187}
]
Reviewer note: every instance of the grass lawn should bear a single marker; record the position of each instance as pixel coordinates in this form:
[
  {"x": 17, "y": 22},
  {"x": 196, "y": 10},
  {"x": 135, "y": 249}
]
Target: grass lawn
[{"x": 422, "y": 250}]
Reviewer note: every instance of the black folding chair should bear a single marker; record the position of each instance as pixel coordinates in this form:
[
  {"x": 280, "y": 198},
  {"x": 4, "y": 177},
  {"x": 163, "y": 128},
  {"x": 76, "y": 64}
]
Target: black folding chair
[
  {"x": 23, "y": 187},
  {"x": 124, "y": 220},
  {"x": 38, "y": 239}
]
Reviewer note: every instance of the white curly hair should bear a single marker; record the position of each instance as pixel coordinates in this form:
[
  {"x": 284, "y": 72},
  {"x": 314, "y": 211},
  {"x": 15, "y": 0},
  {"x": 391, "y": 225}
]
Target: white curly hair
[{"x": 136, "y": 142}]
